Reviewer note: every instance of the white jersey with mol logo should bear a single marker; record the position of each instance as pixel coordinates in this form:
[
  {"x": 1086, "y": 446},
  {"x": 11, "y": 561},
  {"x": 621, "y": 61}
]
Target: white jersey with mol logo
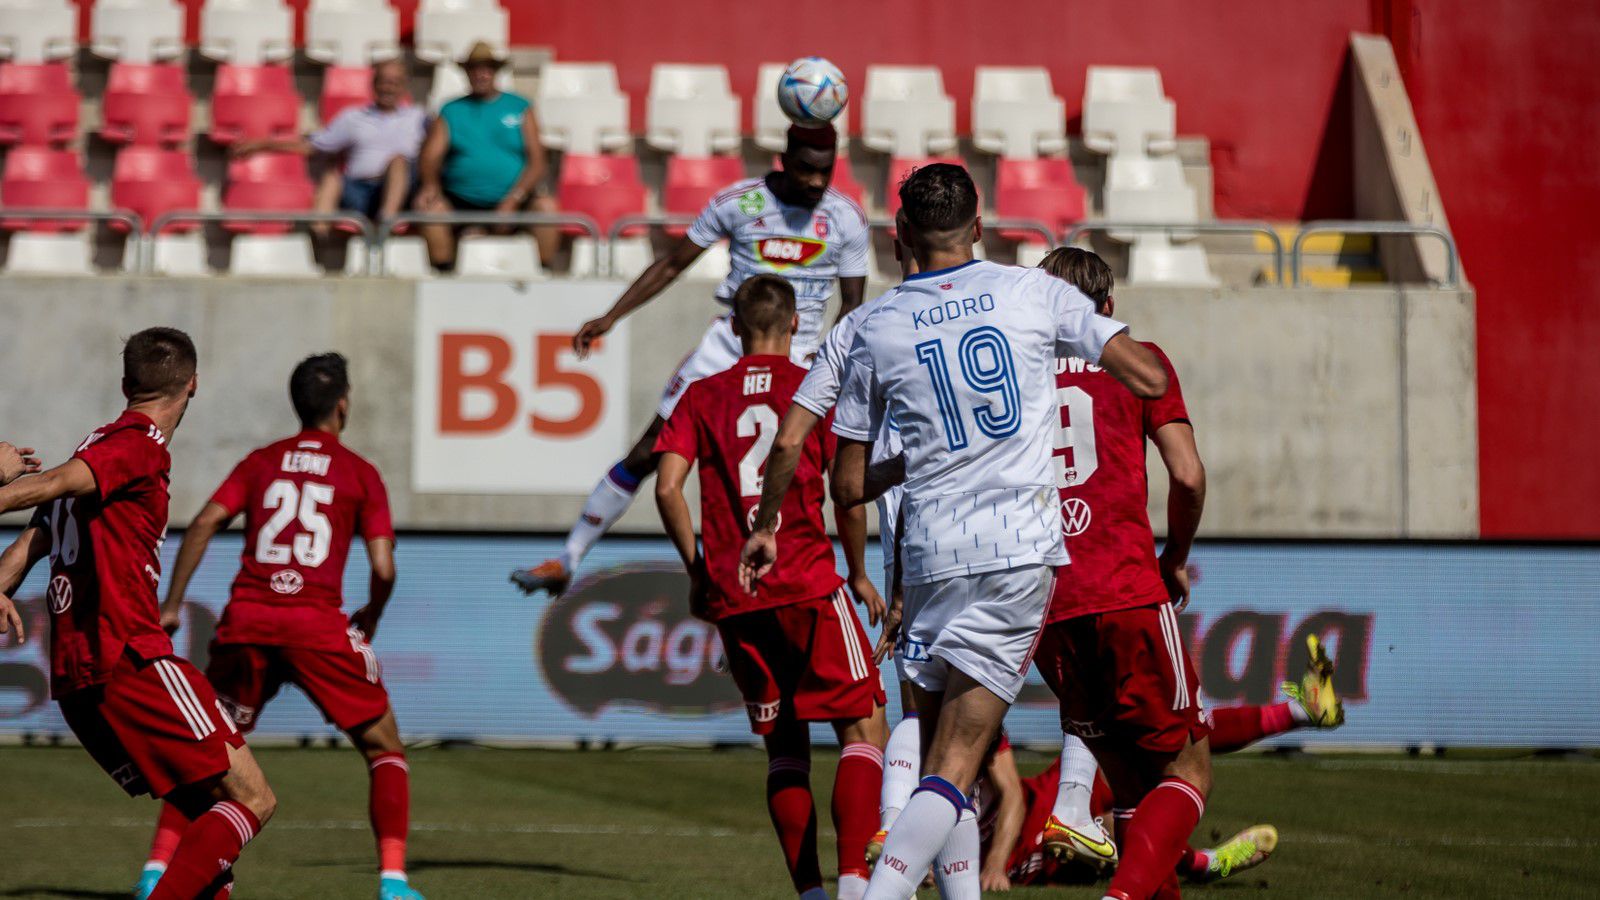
[
  {"x": 963, "y": 361},
  {"x": 810, "y": 246}
]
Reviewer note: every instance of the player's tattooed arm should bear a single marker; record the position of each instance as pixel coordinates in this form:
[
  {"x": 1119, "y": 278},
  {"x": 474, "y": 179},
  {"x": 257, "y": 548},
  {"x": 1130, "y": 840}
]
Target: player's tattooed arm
[
  {"x": 851, "y": 292},
  {"x": 15, "y": 563},
  {"x": 380, "y": 587},
  {"x": 652, "y": 281},
  {"x": 16, "y": 462},
  {"x": 70, "y": 479},
  {"x": 212, "y": 518},
  {"x": 1186, "y": 501},
  {"x": 1133, "y": 364},
  {"x": 671, "y": 476}
]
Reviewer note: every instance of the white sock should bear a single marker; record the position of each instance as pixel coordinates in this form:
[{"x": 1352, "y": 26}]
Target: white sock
[
  {"x": 815, "y": 893},
  {"x": 902, "y": 768},
  {"x": 1078, "y": 769},
  {"x": 1297, "y": 712},
  {"x": 852, "y": 887},
  {"x": 606, "y": 504},
  {"x": 955, "y": 869},
  {"x": 155, "y": 867},
  {"x": 917, "y": 837},
  {"x": 392, "y": 875}
]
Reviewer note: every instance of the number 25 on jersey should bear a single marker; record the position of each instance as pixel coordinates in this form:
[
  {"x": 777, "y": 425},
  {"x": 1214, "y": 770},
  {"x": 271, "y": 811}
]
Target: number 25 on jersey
[{"x": 291, "y": 502}]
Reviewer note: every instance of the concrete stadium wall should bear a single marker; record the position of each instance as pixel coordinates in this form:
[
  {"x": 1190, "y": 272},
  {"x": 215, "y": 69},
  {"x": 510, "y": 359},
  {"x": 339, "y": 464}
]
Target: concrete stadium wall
[{"x": 1319, "y": 413}]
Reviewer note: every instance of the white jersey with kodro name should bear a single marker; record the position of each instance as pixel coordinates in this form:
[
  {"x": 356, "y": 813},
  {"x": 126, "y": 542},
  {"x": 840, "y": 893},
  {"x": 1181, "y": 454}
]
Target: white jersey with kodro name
[
  {"x": 963, "y": 361},
  {"x": 812, "y": 247}
]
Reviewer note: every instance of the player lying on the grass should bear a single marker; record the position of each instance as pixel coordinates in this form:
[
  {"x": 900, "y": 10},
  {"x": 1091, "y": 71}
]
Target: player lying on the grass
[
  {"x": 304, "y": 498},
  {"x": 961, "y": 357},
  {"x": 794, "y": 645},
  {"x": 145, "y": 715},
  {"x": 788, "y": 222}
]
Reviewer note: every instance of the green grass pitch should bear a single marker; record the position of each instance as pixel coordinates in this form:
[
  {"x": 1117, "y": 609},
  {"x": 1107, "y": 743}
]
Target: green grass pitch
[{"x": 692, "y": 824}]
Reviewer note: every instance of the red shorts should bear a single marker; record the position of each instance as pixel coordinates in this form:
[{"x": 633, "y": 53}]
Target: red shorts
[
  {"x": 809, "y": 661},
  {"x": 346, "y": 684},
  {"x": 154, "y": 727},
  {"x": 1124, "y": 676}
]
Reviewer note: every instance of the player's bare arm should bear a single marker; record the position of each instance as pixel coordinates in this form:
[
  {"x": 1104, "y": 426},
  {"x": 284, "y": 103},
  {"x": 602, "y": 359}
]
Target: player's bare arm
[
  {"x": 761, "y": 549},
  {"x": 849, "y": 481},
  {"x": 1010, "y": 813},
  {"x": 16, "y": 462},
  {"x": 851, "y": 292},
  {"x": 380, "y": 586},
  {"x": 852, "y": 525},
  {"x": 1133, "y": 364},
  {"x": 1186, "y": 500},
  {"x": 651, "y": 282},
  {"x": 213, "y": 517},
  {"x": 679, "y": 525},
  {"x": 18, "y": 559},
  {"x": 72, "y": 478}
]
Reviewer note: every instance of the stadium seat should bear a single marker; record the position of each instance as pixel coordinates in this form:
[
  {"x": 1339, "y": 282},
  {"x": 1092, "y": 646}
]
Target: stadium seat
[
  {"x": 771, "y": 125},
  {"x": 342, "y": 88},
  {"x": 844, "y": 180},
  {"x": 137, "y": 31},
  {"x": 43, "y": 178},
  {"x": 37, "y": 31},
  {"x": 446, "y": 29},
  {"x": 1141, "y": 189},
  {"x": 693, "y": 181},
  {"x": 246, "y": 32},
  {"x": 34, "y": 253},
  {"x": 513, "y": 257},
  {"x": 350, "y": 34},
  {"x": 145, "y": 103},
  {"x": 604, "y": 188},
  {"x": 1155, "y": 259},
  {"x": 1126, "y": 113},
  {"x": 692, "y": 111},
  {"x": 1016, "y": 113},
  {"x": 266, "y": 181},
  {"x": 404, "y": 256},
  {"x": 37, "y": 104},
  {"x": 899, "y": 168},
  {"x": 581, "y": 110},
  {"x": 1043, "y": 190},
  {"x": 450, "y": 82},
  {"x": 179, "y": 253},
  {"x": 152, "y": 181},
  {"x": 907, "y": 114},
  {"x": 253, "y": 102},
  {"x": 273, "y": 256}
]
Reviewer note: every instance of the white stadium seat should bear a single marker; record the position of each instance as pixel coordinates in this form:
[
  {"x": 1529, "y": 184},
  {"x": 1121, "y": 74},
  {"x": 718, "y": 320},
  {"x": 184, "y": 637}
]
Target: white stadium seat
[
  {"x": 446, "y": 29},
  {"x": 1139, "y": 189},
  {"x": 907, "y": 114},
  {"x": 406, "y": 256},
  {"x": 273, "y": 256},
  {"x": 137, "y": 31},
  {"x": 1016, "y": 113},
  {"x": 1154, "y": 259},
  {"x": 513, "y": 257},
  {"x": 692, "y": 111},
  {"x": 37, "y": 31},
  {"x": 36, "y": 253},
  {"x": 180, "y": 254},
  {"x": 771, "y": 125},
  {"x": 1125, "y": 112},
  {"x": 246, "y": 32},
  {"x": 581, "y": 109},
  {"x": 352, "y": 33}
]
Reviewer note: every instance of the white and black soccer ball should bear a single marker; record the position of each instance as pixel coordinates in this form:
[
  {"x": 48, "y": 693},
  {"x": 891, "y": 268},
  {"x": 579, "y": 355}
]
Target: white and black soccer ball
[{"x": 812, "y": 91}]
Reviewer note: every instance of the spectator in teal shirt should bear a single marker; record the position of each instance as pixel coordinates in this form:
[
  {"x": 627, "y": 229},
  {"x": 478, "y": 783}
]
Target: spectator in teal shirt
[{"x": 482, "y": 153}]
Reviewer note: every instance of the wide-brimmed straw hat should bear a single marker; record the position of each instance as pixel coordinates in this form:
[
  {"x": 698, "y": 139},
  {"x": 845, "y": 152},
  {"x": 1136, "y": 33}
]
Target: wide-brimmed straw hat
[{"x": 482, "y": 54}]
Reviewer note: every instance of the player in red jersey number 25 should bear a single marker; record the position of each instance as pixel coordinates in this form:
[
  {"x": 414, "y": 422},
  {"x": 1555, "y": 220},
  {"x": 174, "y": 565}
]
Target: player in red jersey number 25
[{"x": 146, "y": 715}]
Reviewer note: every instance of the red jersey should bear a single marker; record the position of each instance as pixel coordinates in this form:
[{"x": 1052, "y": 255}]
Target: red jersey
[
  {"x": 727, "y": 423},
  {"x": 105, "y": 561},
  {"x": 304, "y": 499},
  {"x": 1100, "y": 471}
]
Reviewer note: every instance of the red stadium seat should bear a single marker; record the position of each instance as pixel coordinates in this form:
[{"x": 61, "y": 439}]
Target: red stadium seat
[
  {"x": 153, "y": 181},
  {"x": 844, "y": 181},
  {"x": 267, "y": 181},
  {"x": 899, "y": 168},
  {"x": 43, "y": 178},
  {"x": 37, "y": 104},
  {"x": 693, "y": 181},
  {"x": 146, "y": 103},
  {"x": 604, "y": 188},
  {"x": 253, "y": 102},
  {"x": 1040, "y": 189},
  {"x": 344, "y": 87}
]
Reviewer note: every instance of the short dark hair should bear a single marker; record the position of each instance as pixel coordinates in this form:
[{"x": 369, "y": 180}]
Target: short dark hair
[
  {"x": 317, "y": 386},
  {"x": 158, "y": 362},
  {"x": 1084, "y": 270},
  {"x": 764, "y": 304},
  {"x": 939, "y": 198},
  {"x": 817, "y": 137}
]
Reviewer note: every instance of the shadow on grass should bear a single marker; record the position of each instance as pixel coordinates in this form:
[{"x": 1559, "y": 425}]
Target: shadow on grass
[
  {"x": 72, "y": 893},
  {"x": 424, "y": 865}
]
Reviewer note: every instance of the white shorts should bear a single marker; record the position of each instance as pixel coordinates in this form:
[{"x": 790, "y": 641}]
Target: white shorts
[
  {"x": 718, "y": 350},
  {"x": 987, "y": 626},
  {"x": 888, "y": 521}
]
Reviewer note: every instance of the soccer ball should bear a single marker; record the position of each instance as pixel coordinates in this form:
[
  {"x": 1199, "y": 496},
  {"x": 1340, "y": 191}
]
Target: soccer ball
[{"x": 812, "y": 91}]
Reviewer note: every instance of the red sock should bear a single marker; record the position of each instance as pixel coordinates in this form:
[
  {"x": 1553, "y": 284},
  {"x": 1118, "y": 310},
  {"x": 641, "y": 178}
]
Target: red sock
[
  {"x": 1157, "y": 835},
  {"x": 794, "y": 815},
  {"x": 855, "y": 804},
  {"x": 208, "y": 850},
  {"x": 1193, "y": 862},
  {"x": 1236, "y": 727},
  {"x": 169, "y": 831},
  {"x": 389, "y": 807}
]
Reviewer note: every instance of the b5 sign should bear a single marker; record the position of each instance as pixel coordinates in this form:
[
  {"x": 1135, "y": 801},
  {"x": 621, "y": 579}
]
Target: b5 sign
[{"x": 504, "y": 405}]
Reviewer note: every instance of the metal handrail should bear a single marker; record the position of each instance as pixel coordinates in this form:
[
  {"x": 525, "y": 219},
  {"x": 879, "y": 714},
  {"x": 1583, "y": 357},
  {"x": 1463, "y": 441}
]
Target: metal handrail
[
  {"x": 1452, "y": 258},
  {"x": 35, "y": 214},
  {"x": 387, "y": 227},
  {"x": 148, "y": 249},
  {"x": 1033, "y": 226},
  {"x": 1244, "y": 226},
  {"x": 641, "y": 220}
]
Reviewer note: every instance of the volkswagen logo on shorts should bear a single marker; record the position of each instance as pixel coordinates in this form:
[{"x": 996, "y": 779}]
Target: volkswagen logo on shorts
[
  {"x": 1074, "y": 516},
  {"x": 60, "y": 594},
  {"x": 287, "y": 581}
]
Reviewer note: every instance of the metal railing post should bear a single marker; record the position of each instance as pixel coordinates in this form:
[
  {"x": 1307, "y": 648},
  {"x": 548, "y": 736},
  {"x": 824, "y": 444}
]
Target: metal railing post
[
  {"x": 1212, "y": 227},
  {"x": 127, "y": 217},
  {"x": 362, "y": 223},
  {"x": 1452, "y": 258},
  {"x": 487, "y": 217}
]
